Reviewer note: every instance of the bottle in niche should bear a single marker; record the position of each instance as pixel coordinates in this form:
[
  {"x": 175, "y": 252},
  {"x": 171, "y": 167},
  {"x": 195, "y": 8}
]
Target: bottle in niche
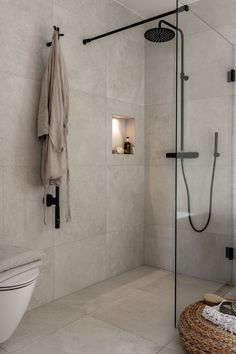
[{"x": 127, "y": 146}]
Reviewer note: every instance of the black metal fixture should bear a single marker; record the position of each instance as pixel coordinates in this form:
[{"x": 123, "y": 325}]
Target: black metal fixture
[
  {"x": 182, "y": 155},
  {"x": 50, "y": 200},
  {"x": 159, "y": 34},
  {"x": 229, "y": 253},
  {"x": 59, "y": 35},
  {"x": 181, "y": 9},
  {"x": 231, "y": 75},
  {"x": 162, "y": 34}
]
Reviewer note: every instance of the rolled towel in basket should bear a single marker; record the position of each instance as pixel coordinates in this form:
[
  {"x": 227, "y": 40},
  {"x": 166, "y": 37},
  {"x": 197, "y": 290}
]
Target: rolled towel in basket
[{"x": 223, "y": 321}]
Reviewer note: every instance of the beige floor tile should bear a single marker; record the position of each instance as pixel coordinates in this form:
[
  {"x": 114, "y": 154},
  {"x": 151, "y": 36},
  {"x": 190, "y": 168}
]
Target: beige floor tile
[
  {"x": 41, "y": 322},
  {"x": 155, "y": 276},
  {"x": 232, "y": 293},
  {"x": 135, "y": 274},
  {"x": 96, "y": 296},
  {"x": 167, "y": 350},
  {"x": 91, "y": 336},
  {"x": 176, "y": 345},
  {"x": 191, "y": 289},
  {"x": 162, "y": 288},
  {"x": 143, "y": 314}
]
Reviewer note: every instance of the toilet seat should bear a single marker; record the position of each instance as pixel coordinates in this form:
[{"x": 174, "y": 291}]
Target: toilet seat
[{"x": 20, "y": 280}]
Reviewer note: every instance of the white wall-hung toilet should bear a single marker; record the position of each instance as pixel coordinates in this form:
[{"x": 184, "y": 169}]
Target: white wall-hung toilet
[{"x": 15, "y": 295}]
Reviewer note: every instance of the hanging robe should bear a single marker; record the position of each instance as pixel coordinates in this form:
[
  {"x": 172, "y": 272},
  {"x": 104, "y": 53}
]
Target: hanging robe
[{"x": 53, "y": 121}]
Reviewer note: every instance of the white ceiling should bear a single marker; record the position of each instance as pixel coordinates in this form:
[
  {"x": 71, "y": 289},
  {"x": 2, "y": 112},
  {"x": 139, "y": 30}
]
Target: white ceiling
[{"x": 148, "y": 8}]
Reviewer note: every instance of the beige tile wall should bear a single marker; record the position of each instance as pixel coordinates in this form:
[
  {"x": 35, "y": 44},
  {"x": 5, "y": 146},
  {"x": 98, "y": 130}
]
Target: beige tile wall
[{"x": 107, "y": 194}]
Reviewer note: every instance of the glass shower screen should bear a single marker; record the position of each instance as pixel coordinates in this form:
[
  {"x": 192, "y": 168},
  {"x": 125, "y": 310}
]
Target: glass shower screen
[{"x": 204, "y": 126}]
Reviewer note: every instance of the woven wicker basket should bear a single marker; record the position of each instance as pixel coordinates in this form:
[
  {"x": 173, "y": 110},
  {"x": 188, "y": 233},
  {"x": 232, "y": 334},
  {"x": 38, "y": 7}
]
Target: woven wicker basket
[{"x": 200, "y": 336}]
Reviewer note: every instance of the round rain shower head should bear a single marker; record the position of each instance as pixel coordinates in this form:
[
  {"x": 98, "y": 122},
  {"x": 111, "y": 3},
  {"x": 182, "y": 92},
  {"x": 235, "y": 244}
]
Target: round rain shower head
[{"x": 159, "y": 34}]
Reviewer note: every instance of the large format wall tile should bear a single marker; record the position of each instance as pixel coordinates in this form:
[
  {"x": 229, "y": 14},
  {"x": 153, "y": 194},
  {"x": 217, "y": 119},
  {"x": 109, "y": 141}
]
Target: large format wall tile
[
  {"x": 44, "y": 291},
  {"x": 88, "y": 205},
  {"x": 79, "y": 264},
  {"x": 23, "y": 209},
  {"x": 159, "y": 195},
  {"x": 90, "y": 11},
  {"x": 86, "y": 65},
  {"x": 125, "y": 70},
  {"x": 87, "y": 129},
  {"x": 160, "y": 73},
  {"x": 25, "y": 27},
  {"x": 133, "y": 111},
  {"x": 19, "y": 110},
  {"x": 203, "y": 255},
  {"x": 119, "y": 16},
  {"x": 159, "y": 246},
  {"x": 199, "y": 182},
  {"x": 215, "y": 12},
  {"x": 160, "y": 133},
  {"x": 208, "y": 73},
  {"x": 125, "y": 198},
  {"x": 125, "y": 249},
  {"x": 202, "y": 119},
  {"x": 229, "y": 32}
]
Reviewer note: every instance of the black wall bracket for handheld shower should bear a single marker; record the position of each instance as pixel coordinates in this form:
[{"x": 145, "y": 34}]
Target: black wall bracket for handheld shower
[
  {"x": 231, "y": 75},
  {"x": 50, "y": 200},
  {"x": 229, "y": 253}
]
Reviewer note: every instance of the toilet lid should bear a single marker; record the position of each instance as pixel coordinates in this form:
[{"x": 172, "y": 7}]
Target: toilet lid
[{"x": 20, "y": 279}]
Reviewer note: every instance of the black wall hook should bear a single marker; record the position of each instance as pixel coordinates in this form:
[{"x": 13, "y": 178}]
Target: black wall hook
[{"x": 59, "y": 35}]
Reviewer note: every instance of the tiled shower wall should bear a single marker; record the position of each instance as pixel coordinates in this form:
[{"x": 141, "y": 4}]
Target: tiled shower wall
[
  {"x": 209, "y": 106},
  {"x": 107, "y": 192}
]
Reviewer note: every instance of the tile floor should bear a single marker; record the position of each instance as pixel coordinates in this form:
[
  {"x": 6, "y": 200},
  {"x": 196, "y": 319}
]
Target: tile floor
[{"x": 129, "y": 314}]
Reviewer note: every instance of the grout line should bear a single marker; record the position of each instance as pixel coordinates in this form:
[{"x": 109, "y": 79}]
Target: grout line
[
  {"x": 125, "y": 330},
  {"x": 12, "y": 73},
  {"x": 38, "y": 339}
]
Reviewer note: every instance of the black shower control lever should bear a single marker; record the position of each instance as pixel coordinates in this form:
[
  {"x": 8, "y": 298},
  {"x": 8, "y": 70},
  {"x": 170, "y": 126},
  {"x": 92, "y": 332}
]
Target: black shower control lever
[
  {"x": 182, "y": 155},
  {"x": 50, "y": 200}
]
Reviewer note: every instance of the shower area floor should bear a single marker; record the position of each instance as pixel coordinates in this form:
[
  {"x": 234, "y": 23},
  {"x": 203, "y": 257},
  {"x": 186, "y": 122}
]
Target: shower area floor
[{"x": 131, "y": 313}]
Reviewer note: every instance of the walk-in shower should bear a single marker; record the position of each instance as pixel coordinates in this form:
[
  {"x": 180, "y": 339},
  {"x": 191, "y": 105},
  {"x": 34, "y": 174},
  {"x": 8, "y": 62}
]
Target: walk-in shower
[
  {"x": 186, "y": 83},
  {"x": 163, "y": 34}
]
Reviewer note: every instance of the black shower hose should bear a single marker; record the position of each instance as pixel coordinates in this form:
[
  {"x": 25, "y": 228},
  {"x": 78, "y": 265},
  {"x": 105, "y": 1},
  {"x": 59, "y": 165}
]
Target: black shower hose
[{"x": 188, "y": 196}]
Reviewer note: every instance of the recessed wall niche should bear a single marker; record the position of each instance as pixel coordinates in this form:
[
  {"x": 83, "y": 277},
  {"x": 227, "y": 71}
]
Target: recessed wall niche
[{"x": 123, "y": 135}]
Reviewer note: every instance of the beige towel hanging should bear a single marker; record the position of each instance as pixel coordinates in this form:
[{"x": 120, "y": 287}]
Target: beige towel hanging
[{"x": 53, "y": 120}]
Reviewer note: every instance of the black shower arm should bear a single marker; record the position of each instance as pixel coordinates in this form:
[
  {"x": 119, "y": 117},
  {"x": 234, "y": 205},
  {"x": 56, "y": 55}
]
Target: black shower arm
[{"x": 182, "y": 41}]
